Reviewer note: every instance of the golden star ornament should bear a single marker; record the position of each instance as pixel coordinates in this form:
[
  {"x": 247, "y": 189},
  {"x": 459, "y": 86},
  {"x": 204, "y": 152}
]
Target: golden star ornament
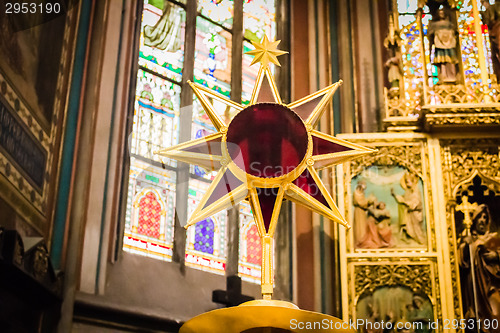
[
  {"x": 266, "y": 52},
  {"x": 269, "y": 152}
]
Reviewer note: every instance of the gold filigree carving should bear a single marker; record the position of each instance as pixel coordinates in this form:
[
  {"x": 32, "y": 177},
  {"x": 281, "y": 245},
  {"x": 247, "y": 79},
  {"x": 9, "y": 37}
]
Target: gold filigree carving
[
  {"x": 415, "y": 277},
  {"x": 407, "y": 156}
]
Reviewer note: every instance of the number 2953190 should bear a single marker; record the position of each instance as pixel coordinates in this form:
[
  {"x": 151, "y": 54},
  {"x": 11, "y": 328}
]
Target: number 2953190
[{"x": 32, "y": 8}]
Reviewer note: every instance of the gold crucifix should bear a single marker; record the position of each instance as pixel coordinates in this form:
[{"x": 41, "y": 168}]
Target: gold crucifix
[{"x": 466, "y": 207}]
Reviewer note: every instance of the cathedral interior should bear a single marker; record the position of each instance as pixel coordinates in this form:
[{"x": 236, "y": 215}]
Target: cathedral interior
[{"x": 92, "y": 217}]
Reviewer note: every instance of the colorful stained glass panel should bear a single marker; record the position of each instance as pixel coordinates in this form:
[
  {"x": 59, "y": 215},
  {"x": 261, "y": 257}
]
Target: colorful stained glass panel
[
  {"x": 156, "y": 118},
  {"x": 162, "y": 39},
  {"x": 259, "y": 19},
  {"x": 205, "y": 246},
  {"x": 149, "y": 220},
  {"x": 220, "y": 11},
  {"x": 212, "y": 66}
]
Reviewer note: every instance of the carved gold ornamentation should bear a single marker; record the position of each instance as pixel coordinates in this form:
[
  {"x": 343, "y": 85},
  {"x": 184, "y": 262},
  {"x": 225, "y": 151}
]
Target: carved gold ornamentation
[{"x": 416, "y": 277}]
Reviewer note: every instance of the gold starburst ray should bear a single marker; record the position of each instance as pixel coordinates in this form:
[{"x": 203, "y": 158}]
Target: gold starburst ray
[
  {"x": 308, "y": 190},
  {"x": 266, "y": 203},
  {"x": 225, "y": 191},
  {"x": 311, "y": 107},
  {"x": 328, "y": 150},
  {"x": 205, "y": 152},
  {"x": 265, "y": 89},
  {"x": 203, "y": 95}
]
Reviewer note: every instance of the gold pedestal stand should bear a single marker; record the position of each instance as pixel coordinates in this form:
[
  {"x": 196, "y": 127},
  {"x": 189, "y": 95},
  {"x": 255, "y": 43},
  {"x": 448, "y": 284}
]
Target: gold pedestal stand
[{"x": 264, "y": 316}]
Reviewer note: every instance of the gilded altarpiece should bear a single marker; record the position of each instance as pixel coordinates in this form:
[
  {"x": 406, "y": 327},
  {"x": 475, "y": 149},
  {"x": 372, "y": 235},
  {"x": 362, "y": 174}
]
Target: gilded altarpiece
[{"x": 393, "y": 259}]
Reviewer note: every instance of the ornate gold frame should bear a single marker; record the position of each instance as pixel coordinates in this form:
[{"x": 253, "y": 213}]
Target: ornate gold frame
[{"x": 420, "y": 154}]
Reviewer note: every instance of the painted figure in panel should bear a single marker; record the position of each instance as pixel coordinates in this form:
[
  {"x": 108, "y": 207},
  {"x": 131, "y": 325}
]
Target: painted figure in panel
[
  {"x": 378, "y": 232},
  {"x": 410, "y": 209},
  {"x": 361, "y": 204},
  {"x": 384, "y": 216}
]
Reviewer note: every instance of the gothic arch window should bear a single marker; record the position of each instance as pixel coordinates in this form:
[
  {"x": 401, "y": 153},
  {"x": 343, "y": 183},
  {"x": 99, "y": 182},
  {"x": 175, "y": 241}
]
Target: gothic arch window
[
  {"x": 149, "y": 216},
  {"x": 149, "y": 232},
  {"x": 202, "y": 41}
]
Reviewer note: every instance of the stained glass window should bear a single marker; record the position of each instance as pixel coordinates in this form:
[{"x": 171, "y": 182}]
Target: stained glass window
[
  {"x": 412, "y": 46},
  {"x": 162, "y": 59},
  {"x": 212, "y": 66},
  {"x": 150, "y": 209},
  {"x": 469, "y": 47},
  {"x": 220, "y": 11},
  {"x": 259, "y": 19}
]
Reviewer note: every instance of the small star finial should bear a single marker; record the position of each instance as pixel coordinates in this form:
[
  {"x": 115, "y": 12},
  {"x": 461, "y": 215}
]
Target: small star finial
[{"x": 266, "y": 52}]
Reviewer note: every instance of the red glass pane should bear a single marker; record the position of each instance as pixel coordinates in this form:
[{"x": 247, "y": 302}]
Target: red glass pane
[
  {"x": 267, "y": 200},
  {"x": 254, "y": 248},
  {"x": 322, "y": 146},
  {"x": 149, "y": 216},
  {"x": 271, "y": 139},
  {"x": 306, "y": 182}
]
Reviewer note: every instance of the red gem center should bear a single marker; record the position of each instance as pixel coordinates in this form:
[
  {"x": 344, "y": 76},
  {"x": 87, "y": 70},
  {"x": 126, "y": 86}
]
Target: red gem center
[{"x": 267, "y": 140}]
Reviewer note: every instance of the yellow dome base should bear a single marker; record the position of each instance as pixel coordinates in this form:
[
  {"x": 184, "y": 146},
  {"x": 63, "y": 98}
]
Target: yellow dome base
[{"x": 264, "y": 316}]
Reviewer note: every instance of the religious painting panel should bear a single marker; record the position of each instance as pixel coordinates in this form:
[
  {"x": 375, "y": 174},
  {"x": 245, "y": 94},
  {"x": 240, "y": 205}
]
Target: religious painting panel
[
  {"x": 35, "y": 57},
  {"x": 387, "y": 197},
  {"x": 391, "y": 296},
  {"x": 472, "y": 191},
  {"x": 150, "y": 214},
  {"x": 388, "y": 209}
]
